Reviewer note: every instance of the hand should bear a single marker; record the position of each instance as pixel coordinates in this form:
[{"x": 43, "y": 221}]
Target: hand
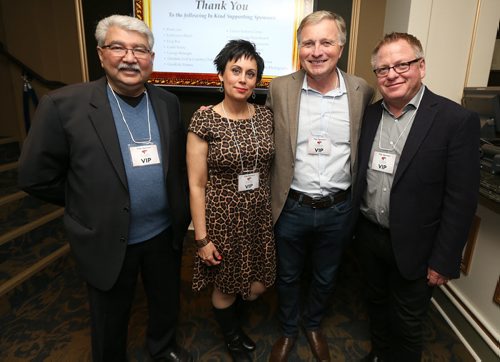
[
  {"x": 435, "y": 279},
  {"x": 204, "y": 108},
  {"x": 209, "y": 254}
]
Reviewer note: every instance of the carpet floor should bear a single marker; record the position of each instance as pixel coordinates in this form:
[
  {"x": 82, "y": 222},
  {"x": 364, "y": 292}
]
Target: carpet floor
[{"x": 54, "y": 325}]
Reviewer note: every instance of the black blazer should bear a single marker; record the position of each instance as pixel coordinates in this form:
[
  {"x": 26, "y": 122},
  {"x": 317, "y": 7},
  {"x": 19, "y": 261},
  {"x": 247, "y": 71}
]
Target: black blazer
[
  {"x": 436, "y": 186},
  {"x": 72, "y": 158}
]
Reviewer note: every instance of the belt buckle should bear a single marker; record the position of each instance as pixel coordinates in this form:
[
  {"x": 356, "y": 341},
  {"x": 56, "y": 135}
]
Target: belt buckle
[{"x": 320, "y": 203}]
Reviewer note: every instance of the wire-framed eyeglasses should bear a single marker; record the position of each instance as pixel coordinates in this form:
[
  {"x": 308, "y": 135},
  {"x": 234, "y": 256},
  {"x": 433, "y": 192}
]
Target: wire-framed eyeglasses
[{"x": 120, "y": 51}]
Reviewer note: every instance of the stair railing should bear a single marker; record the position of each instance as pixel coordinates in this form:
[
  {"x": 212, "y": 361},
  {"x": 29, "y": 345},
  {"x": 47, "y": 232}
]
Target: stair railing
[{"x": 28, "y": 75}]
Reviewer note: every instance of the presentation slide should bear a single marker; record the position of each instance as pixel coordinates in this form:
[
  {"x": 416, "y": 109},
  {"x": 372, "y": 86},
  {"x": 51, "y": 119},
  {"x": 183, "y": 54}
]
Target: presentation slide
[{"x": 190, "y": 33}]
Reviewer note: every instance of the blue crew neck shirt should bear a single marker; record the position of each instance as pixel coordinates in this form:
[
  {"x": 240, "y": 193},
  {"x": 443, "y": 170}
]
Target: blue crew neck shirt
[{"x": 146, "y": 184}]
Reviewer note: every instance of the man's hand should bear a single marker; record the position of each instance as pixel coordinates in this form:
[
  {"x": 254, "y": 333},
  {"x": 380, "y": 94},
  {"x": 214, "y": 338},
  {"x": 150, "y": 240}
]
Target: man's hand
[
  {"x": 434, "y": 278},
  {"x": 204, "y": 108}
]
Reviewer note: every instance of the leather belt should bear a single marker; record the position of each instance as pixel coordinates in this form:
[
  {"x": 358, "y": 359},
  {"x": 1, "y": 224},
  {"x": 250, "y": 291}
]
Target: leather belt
[{"x": 319, "y": 202}]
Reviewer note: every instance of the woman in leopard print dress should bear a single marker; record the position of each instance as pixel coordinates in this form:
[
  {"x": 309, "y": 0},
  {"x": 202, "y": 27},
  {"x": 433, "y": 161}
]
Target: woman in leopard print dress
[{"x": 229, "y": 154}]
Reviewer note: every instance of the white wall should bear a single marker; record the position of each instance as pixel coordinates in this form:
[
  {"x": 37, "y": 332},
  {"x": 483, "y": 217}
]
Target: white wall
[
  {"x": 484, "y": 45},
  {"x": 446, "y": 29},
  {"x": 477, "y": 288},
  {"x": 458, "y": 37},
  {"x": 447, "y": 46}
]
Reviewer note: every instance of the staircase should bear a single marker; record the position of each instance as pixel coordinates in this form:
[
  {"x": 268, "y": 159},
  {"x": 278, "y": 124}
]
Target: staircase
[{"x": 33, "y": 243}]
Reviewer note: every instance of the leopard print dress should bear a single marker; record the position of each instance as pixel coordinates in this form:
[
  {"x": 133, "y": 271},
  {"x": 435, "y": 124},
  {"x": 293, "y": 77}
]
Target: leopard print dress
[{"x": 239, "y": 223}]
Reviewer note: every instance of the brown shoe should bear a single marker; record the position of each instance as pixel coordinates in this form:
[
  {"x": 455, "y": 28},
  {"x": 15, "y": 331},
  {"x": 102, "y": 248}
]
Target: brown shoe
[
  {"x": 319, "y": 345},
  {"x": 281, "y": 349}
]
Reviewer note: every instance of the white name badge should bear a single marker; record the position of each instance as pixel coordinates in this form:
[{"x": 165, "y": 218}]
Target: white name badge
[
  {"x": 249, "y": 181},
  {"x": 383, "y": 162},
  {"x": 145, "y": 155},
  {"x": 319, "y": 145}
]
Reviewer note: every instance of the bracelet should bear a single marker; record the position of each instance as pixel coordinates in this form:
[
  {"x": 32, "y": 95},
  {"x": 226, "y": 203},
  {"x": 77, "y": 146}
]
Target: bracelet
[{"x": 201, "y": 242}]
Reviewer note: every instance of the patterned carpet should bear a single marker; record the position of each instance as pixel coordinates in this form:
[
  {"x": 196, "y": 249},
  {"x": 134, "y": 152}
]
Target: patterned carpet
[{"x": 54, "y": 325}]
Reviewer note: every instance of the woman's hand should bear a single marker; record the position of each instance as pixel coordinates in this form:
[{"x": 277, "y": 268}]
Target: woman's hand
[{"x": 209, "y": 254}]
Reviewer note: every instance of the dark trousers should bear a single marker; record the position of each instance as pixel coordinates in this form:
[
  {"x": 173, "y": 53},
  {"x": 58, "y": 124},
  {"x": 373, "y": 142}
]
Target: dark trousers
[
  {"x": 159, "y": 266},
  {"x": 320, "y": 235},
  {"x": 397, "y": 307}
]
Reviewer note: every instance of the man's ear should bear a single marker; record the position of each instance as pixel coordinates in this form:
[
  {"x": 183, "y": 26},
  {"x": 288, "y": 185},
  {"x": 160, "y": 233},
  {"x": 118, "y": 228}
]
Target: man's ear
[
  {"x": 99, "y": 53},
  {"x": 422, "y": 68}
]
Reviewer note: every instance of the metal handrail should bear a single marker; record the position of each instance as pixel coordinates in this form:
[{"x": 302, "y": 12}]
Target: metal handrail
[{"x": 28, "y": 72}]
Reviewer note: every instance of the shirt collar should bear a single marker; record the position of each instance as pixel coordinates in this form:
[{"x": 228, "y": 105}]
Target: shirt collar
[
  {"x": 334, "y": 92},
  {"x": 412, "y": 104}
]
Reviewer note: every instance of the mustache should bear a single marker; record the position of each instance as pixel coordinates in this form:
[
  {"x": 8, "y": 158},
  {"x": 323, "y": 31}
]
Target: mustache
[{"x": 124, "y": 66}]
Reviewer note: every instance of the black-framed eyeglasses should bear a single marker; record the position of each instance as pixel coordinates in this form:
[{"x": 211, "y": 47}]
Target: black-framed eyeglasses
[
  {"x": 121, "y": 51},
  {"x": 398, "y": 68}
]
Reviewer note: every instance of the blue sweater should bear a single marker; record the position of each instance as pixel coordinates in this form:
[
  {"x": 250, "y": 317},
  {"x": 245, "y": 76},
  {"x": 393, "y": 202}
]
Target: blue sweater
[{"x": 146, "y": 184}]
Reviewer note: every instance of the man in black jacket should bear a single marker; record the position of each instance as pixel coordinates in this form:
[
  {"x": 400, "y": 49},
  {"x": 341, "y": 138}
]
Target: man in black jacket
[
  {"x": 112, "y": 152},
  {"x": 417, "y": 189}
]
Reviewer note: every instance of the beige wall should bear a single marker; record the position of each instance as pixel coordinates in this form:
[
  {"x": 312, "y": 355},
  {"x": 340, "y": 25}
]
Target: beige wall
[
  {"x": 370, "y": 31},
  {"x": 43, "y": 35},
  {"x": 483, "y": 45}
]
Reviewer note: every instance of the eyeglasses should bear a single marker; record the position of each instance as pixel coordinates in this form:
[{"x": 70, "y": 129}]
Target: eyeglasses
[
  {"x": 398, "y": 68},
  {"x": 121, "y": 51}
]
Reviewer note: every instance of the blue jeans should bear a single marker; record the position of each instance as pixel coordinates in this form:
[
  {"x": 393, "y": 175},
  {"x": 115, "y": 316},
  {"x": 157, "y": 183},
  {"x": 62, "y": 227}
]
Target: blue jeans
[{"x": 319, "y": 234}]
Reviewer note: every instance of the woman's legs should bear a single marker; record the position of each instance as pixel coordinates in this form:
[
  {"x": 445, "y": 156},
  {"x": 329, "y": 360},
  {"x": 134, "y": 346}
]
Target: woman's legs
[
  {"x": 221, "y": 300},
  {"x": 256, "y": 289},
  {"x": 238, "y": 343}
]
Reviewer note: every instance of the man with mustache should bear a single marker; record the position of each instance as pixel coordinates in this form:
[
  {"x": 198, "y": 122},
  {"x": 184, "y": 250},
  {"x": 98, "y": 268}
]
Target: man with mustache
[{"x": 112, "y": 152}]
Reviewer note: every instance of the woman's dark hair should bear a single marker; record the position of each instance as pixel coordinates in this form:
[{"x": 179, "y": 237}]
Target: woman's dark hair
[{"x": 235, "y": 50}]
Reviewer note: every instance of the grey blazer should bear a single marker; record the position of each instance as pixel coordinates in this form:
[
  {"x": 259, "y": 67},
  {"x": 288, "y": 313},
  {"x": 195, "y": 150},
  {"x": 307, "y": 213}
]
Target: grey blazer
[{"x": 284, "y": 100}]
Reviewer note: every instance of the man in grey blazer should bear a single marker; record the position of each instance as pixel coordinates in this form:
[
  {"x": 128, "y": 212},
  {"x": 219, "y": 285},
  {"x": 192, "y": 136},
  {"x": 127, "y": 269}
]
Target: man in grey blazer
[
  {"x": 317, "y": 116},
  {"x": 112, "y": 152},
  {"x": 417, "y": 191}
]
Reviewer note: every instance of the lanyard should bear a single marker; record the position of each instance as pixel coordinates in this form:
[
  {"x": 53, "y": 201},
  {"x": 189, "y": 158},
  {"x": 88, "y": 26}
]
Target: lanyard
[
  {"x": 393, "y": 144},
  {"x": 125, "y": 121},
  {"x": 236, "y": 139}
]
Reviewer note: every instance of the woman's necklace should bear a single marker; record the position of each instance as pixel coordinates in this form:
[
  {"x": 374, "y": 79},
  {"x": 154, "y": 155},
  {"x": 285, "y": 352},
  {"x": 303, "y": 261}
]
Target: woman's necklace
[{"x": 227, "y": 114}]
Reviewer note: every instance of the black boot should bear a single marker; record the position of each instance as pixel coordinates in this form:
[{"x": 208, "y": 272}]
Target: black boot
[
  {"x": 245, "y": 340},
  {"x": 236, "y": 349},
  {"x": 241, "y": 310},
  {"x": 238, "y": 343}
]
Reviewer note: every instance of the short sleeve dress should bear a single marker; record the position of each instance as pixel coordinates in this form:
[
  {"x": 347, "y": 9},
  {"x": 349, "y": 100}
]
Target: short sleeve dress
[{"x": 239, "y": 223}]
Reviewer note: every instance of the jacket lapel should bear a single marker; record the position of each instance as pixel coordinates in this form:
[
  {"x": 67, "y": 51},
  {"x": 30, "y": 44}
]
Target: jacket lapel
[
  {"x": 355, "y": 114},
  {"x": 424, "y": 118},
  {"x": 293, "y": 96},
  {"x": 101, "y": 117},
  {"x": 370, "y": 126}
]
